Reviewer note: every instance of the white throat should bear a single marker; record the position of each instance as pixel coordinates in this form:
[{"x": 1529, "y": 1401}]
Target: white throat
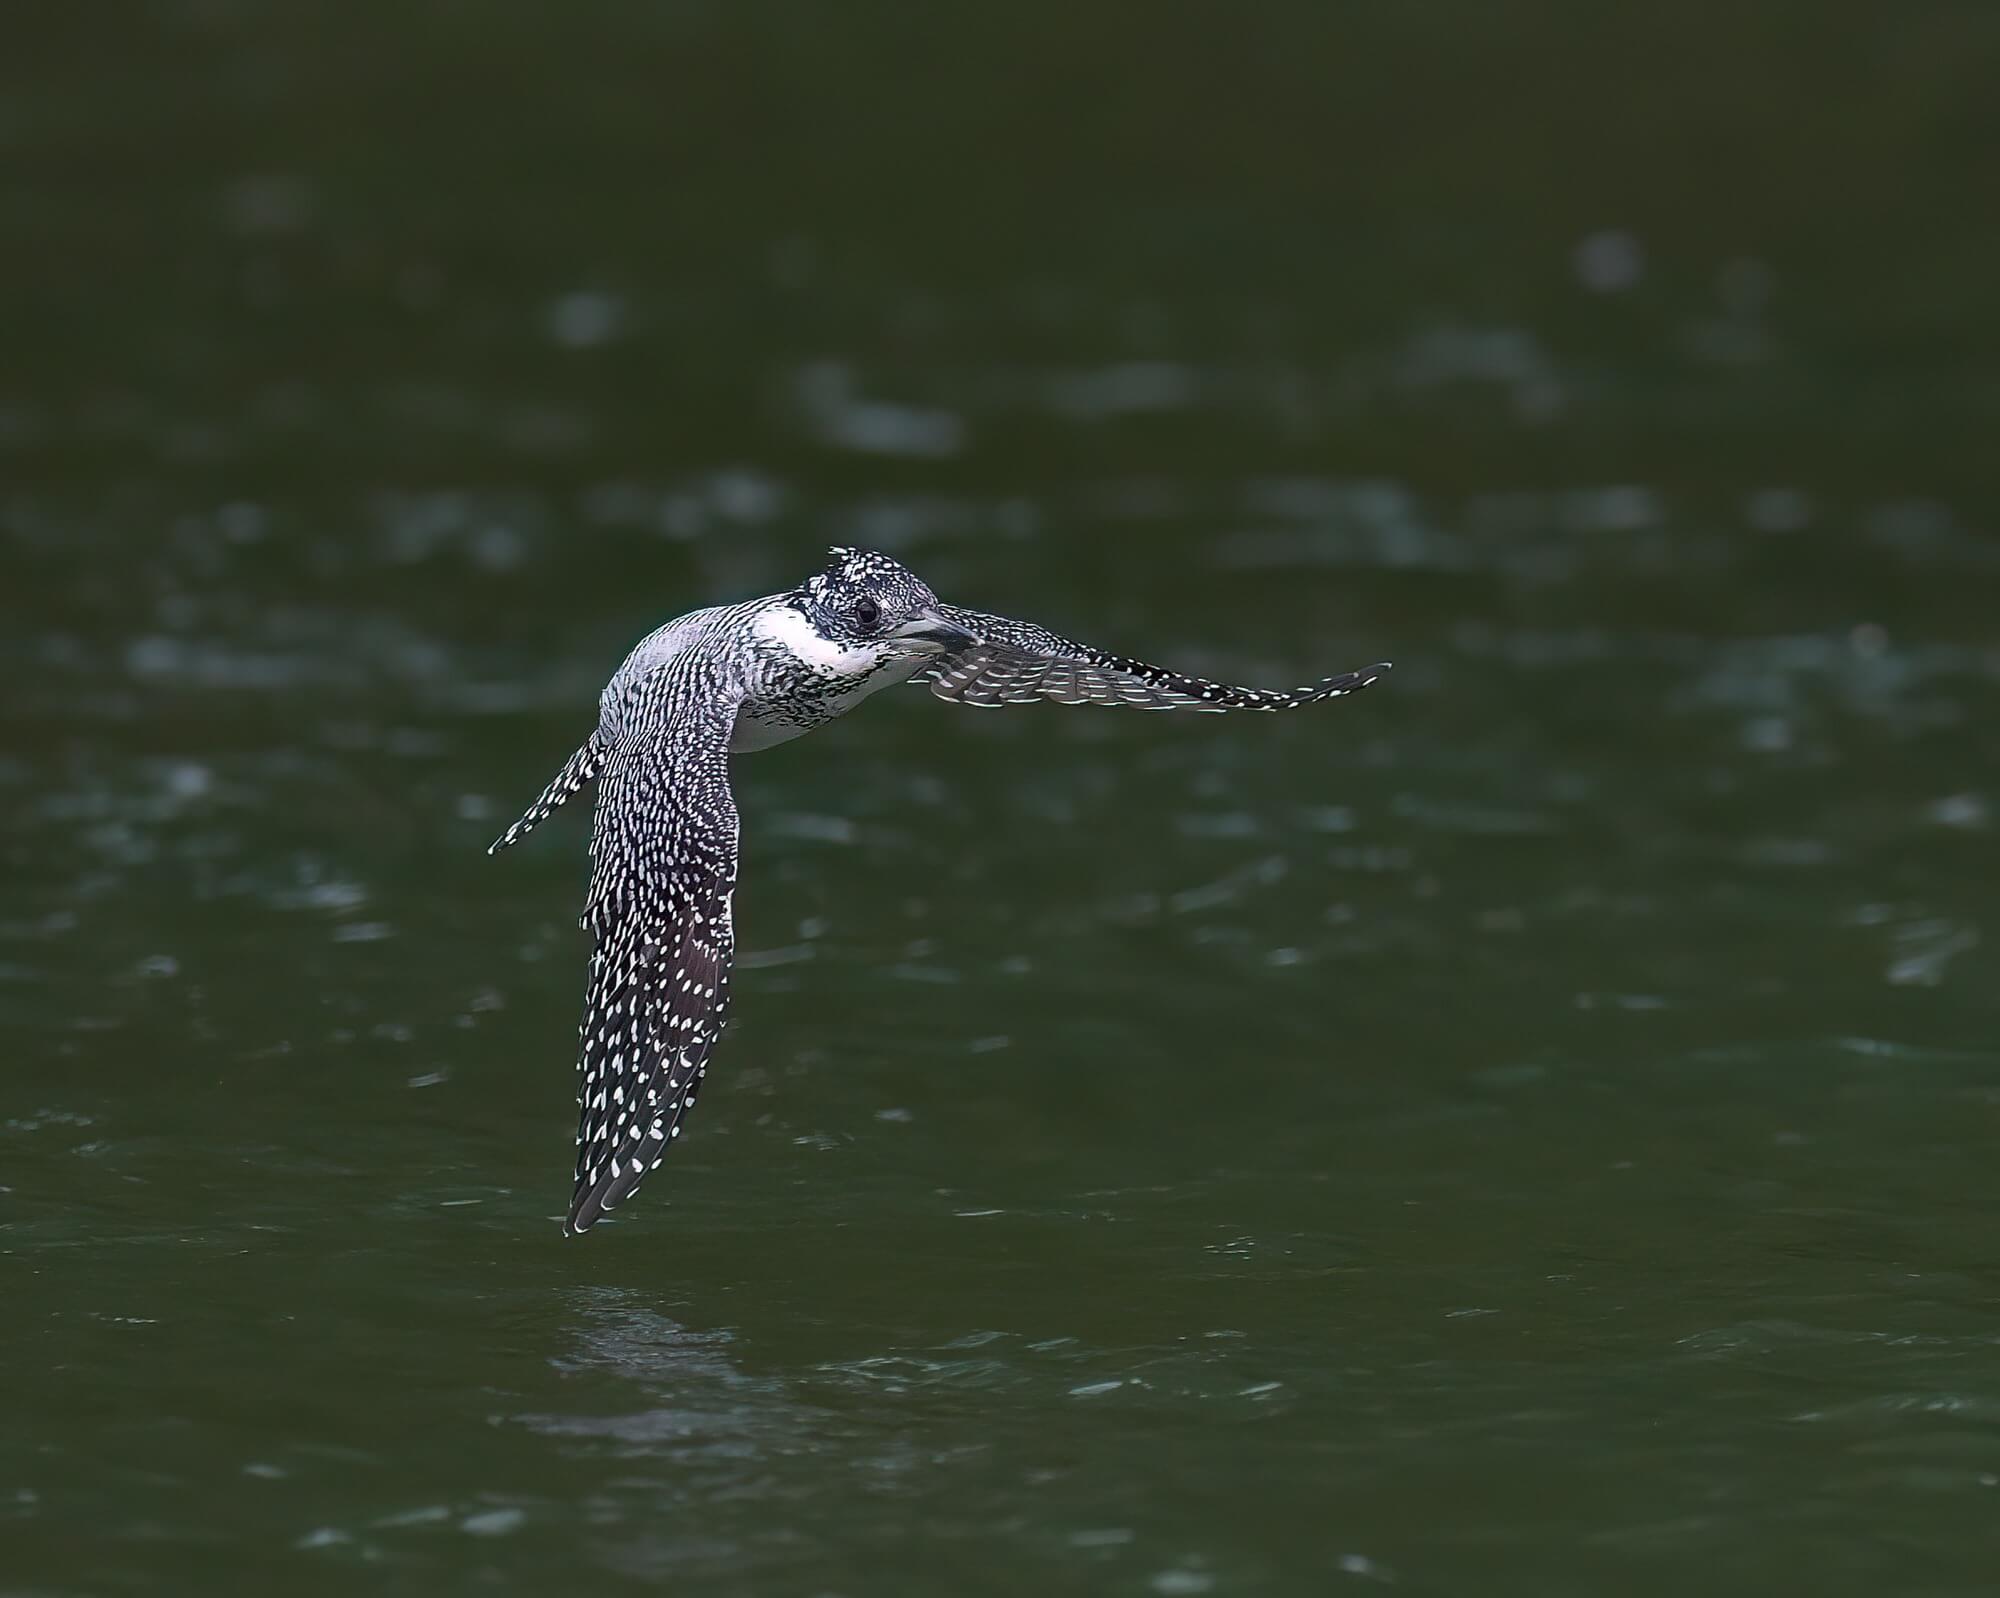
[
  {"x": 777, "y": 712},
  {"x": 784, "y": 626}
]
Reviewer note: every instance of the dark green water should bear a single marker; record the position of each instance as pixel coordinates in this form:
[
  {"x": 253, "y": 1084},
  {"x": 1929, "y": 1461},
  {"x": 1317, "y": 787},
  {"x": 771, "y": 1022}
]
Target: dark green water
[{"x": 1527, "y": 1130}]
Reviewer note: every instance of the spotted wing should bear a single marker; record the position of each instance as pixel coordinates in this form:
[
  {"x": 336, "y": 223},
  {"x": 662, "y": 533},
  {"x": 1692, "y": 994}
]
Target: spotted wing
[
  {"x": 1016, "y": 663},
  {"x": 663, "y": 870},
  {"x": 579, "y": 769}
]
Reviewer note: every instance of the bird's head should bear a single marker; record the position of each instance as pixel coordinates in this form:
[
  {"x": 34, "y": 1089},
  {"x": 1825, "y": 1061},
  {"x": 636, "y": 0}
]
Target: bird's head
[{"x": 865, "y": 604}]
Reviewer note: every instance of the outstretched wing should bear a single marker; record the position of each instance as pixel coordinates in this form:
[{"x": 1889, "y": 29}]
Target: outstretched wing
[
  {"x": 576, "y": 771},
  {"x": 1016, "y": 662},
  {"x": 663, "y": 870}
]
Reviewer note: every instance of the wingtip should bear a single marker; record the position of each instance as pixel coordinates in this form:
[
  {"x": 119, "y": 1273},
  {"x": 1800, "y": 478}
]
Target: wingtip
[
  {"x": 1354, "y": 681},
  {"x": 590, "y": 1204}
]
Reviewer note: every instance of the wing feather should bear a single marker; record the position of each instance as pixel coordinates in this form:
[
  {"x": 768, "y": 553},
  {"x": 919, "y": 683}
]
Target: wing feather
[
  {"x": 663, "y": 879},
  {"x": 1015, "y": 663}
]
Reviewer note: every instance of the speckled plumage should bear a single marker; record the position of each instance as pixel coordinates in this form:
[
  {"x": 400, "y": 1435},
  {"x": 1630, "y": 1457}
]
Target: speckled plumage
[{"x": 663, "y": 849}]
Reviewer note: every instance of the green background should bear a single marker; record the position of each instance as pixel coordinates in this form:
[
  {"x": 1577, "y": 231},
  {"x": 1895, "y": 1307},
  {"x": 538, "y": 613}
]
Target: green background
[{"x": 1526, "y": 1130}]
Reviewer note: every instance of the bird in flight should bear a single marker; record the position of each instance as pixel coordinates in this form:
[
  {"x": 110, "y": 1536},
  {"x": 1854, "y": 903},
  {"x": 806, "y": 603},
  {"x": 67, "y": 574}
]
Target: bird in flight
[{"x": 663, "y": 846}]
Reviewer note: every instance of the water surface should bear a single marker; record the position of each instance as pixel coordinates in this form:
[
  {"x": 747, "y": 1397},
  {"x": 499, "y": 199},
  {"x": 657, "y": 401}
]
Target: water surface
[{"x": 1526, "y": 1129}]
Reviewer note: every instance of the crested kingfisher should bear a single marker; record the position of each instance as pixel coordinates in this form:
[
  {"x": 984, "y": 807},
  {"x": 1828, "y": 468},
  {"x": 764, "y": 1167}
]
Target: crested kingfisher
[{"x": 663, "y": 848}]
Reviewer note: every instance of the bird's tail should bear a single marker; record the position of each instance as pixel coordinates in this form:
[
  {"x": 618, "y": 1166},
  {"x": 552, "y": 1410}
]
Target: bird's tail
[{"x": 580, "y": 768}]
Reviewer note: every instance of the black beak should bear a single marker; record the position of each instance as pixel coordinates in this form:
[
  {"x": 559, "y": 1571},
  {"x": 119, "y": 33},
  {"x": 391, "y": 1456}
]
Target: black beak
[{"x": 928, "y": 627}]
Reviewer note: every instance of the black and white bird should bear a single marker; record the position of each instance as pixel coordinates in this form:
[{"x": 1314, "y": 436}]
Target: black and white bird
[{"x": 663, "y": 846}]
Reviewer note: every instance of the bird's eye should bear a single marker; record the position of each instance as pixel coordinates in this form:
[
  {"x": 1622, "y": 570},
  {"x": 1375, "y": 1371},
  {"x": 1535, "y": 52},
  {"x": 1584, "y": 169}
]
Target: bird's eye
[{"x": 867, "y": 612}]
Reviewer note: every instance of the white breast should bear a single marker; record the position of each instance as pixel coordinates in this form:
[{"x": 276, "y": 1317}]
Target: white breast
[{"x": 836, "y": 677}]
